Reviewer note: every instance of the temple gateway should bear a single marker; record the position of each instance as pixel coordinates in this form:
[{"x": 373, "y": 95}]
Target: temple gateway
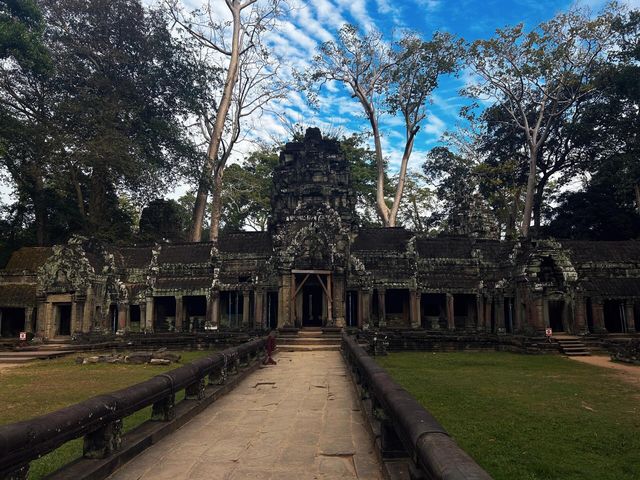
[{"x": 315, "y": 267}]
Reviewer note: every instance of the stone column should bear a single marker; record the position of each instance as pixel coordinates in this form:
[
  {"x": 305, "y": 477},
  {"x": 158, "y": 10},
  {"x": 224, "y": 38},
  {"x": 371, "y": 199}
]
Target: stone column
[
  {"x": 451, "y": 319},
  {"x": 179, "y": 313},
  {"x": 597, "y": 307},
  {"x": 213, "y": 308},
  {"x": 539, "y": 322},
  {"x": 41, "y": 316},
  {"x": 545, "y": 312},
  {"x": 517, "y": 312},
  {"x": 258, "y": 309},
  {"x": 88, "y": 311},
  {"x": 382, "y": 319},
  {"x": 74, "y": 317},
  {"x": 579, "y": 314},
  {"x": 339, "y": 301},
  {"x": 414, "y": 308},
  {"x": 500, "y": 327},
  {"x": 284, "y": 301},
  {"x": 122, "y": 317},
  {"x": 150, "y": 314},
  {"x": 488, "y": 305},
  {"x": 364, "y": 309},
  {"x": 480, "y": 313},
  {"x": 246, "y": 304},
  {"x": 50, "y": 326},
  {"x": 628, "y": 313},
  {"x": 28, "y": 315},
  {"x": 143, "y": 316}
]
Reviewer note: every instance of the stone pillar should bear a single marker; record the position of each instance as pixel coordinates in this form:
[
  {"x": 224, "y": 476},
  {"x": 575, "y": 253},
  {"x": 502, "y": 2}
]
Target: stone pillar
[
  {"x": 49, "y": 330},
  {"x": 88, "y": 311},
  {"x": 284, "y": 301},
  {"x": 451, "y": 319},
  {"x": 40, "y": 317},
  {"x": 500, "y": 328},
  {"x": 628, "y": 313},
  {"x": 28, "y": 315},
  {"x": 246, "y": 305},
  {"x": 538, "y": 314},
  {"x": 545, "y": 312},
  {"x": 597, "y": 307},
  {"x": 150, "y": 315},
  {"x": 488, "y": 304},
  {"x": 213, "y": 308},
  {"x": 143, "y": 316},
  {"x": 364, "y": 309},
  {"x": 517, "y": 312},
  {"x": 414, "y": 308},
  {"x": 258, "y": 309},
  {"x": 179, "y": 313},
  {"x": 122, "y": 317},
  {"x": 382, "y": 318},
  {"x": 480, "y": 313},
  {"x": 579, "y": 314},
  {"x": 339, "y": 300}
]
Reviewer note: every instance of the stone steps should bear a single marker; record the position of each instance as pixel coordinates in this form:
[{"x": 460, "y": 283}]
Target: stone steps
[
  {"x": 573, "y": 346},
  {"x": 308, "y": 340}
]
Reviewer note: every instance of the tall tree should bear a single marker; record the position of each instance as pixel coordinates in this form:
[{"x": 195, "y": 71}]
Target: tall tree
[
  {"x": 21, "y": 28},
  {"x": 540, "y": 77},
  {"x": 397, "y": 79},
  {"x": 251, "y": 82},
  {"x": 107, "y": 120}
]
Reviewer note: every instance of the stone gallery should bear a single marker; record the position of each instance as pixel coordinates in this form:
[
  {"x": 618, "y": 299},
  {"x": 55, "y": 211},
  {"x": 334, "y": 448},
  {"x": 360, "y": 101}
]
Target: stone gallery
[{"x": 315, "y": 267}]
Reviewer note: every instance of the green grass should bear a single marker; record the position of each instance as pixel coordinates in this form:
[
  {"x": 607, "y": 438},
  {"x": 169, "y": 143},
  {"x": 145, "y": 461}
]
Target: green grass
[
  {"x": 44, "y": 386},
  {"x": 529, "y": 417}
]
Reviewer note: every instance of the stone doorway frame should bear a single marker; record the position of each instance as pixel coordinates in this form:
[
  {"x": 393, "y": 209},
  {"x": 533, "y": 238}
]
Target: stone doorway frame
[{"x": 296, "y": 288}]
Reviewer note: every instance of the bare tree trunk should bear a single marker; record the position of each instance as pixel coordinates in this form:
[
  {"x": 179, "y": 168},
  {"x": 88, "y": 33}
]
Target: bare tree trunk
[
  {"x": 637, "y": 189},
  {"x": 513, "y": 215},
  {"x": 416, "y": 212},
  {"x": 381, "y": 204},
  {"x": 531, "y": 186},
  {"x": 401, "y": 178},
  {"x": 216, "y": 135},
  {"x": 40, "y": 208},
  {"x": 79, "y": 195},
  {"x": 537, "y": 202},
  {"x": 216, "y": 206}
]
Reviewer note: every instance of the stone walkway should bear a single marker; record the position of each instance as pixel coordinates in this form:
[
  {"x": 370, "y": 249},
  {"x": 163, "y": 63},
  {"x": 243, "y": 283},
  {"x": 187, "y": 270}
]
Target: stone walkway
[{"x": 296, "y": 420}]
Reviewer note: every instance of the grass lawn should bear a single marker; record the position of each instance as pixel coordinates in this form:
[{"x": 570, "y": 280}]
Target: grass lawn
[
  {"x": 44, "y": 386},
  {"x": 528, "y": 417}
]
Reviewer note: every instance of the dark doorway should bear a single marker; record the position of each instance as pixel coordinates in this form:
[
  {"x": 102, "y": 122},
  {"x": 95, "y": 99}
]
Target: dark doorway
[
  {"x": 63, "y": 322},
  {"x": 589, "y": 309},
  {"x": 12, "y": 322},
  {"x": 113, "y": 318},
  {"x": 352, "y": 309},
  {"x": 231, "y": 308},
  {"x": 195, "y": 308},
  {"x": 432, "y": 308},
  {"x": 556, "y": 308},
  {"x": 165, "y": 313},
  {"x": 312, "y": 296},
  {"x": 272, "y": 310},
  {"x": 613, "y": 316},
  {"x": 508, "y": 315},
  {"x": 134, "y": 318},
  {"x": 637, "y": 316}
]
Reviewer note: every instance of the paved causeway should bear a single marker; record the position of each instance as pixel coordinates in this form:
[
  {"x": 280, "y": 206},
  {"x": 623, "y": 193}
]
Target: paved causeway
[{"x": 297, "y": 420}]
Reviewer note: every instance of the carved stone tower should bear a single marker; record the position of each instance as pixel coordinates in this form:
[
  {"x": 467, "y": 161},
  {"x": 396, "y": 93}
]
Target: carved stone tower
[{"x": 313, "y": 214}]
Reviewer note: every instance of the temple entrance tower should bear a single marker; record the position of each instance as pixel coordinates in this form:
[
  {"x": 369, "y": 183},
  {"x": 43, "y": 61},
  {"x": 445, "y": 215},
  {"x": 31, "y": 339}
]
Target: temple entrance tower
[{"x": 313, "y": 216}]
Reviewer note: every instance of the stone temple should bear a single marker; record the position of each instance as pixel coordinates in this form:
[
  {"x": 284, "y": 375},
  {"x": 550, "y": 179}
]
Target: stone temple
[{"x": 315, "y": 267}]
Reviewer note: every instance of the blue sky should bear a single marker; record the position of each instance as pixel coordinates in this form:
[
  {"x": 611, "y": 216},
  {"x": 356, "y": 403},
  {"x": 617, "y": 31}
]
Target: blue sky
[{"x": 315, "y": 21}]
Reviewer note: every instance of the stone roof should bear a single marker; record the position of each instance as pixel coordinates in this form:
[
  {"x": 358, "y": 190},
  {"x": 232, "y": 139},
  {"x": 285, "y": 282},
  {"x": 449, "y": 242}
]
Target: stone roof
[
  {"x": 598, "y": 251},
  {"x": 614, "y": 287},
  {"x": 17, "y": 295},
  {"x": 246, "y": 242},
  {"x": 185, "y": 253},
  {"x": 183, "y": 283},
  {"x": 444, "y": 247},
  {"x": 133, "y": 257},
  {"x": 393, "y": 239},
  {"x": 28, "y": 258}
]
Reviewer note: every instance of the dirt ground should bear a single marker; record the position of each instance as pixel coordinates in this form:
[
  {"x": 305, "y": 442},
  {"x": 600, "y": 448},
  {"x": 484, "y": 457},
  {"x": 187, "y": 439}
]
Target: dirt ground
[{"x": 626, "y": 372}]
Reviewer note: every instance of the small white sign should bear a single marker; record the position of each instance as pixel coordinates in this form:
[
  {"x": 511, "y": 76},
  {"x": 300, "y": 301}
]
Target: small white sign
[
  {"x": 548, "y": 332},
  {"x": 23, "y": 335}
]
